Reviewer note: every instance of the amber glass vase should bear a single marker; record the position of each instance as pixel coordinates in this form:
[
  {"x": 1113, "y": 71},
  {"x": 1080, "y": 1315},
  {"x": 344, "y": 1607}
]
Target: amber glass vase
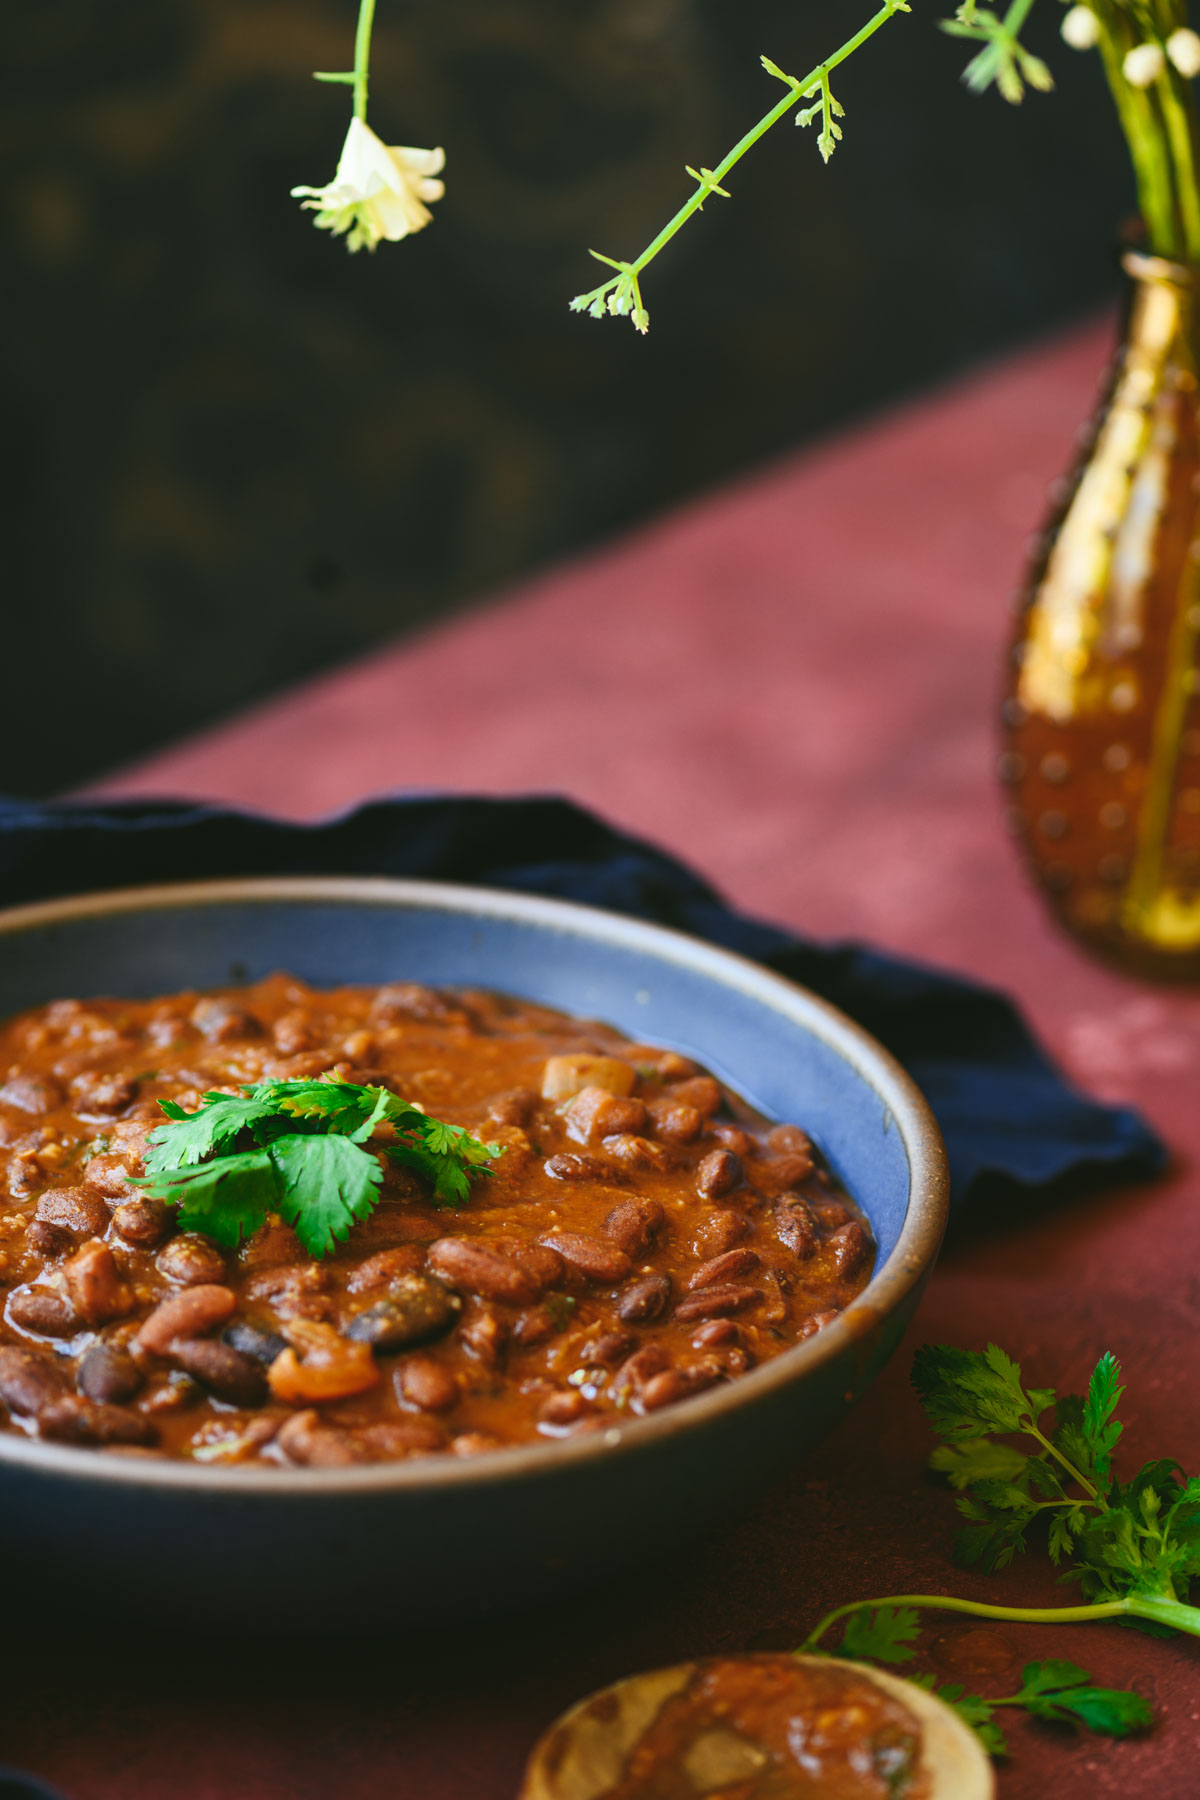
[{"x": 1102, "y": 715}]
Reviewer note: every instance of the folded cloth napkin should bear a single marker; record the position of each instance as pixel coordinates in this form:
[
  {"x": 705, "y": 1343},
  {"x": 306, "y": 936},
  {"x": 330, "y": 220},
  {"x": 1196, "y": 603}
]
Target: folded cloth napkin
[{"x": 1005, "y": 1111}]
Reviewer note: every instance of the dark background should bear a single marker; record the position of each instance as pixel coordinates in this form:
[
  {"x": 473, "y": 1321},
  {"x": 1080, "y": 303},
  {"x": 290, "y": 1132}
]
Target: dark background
[{"x": 235, "y": 454}]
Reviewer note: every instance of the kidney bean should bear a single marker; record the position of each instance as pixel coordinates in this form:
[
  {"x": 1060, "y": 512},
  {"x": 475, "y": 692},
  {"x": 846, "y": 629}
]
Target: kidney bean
[
  {"x": 702, "y": 1092},
  {"x": 597, "y": 1260},
  {"x": 400, "y": 1437},
  {"x": 186, "y": 1315},
  {"x": 296, "y": 1291},
  {"x": 475, "y": 1443},
  {"x": 570, "y": 1165},
  {"x": 721, "y": 1230},
  {"x": 293, "y": 1033},
  {"x": 717, "y": 1302},
  {"x": 674, "y": 1120},
  {"x": 192, "y": 1260},
  {"x": 633, "y": 1153},
  {"x": 305, "y": 1440},
  {"x": 779, "y": 1173},
  {"x": 108, "y": 1175},
  {"x": 74, "y": 1420},
  {"x": 226, "y": 1372},
  {"x": 263, "y": 1346},
  {"x": 716, "y": 1332},
  {"x": 483, "y": 1333},
  {"x": 95, "y": 1286},
  {"x": 608, "y": 1349},
  {"x": 717, "y": 1173},
  {"x": 538, "y": 1260},
  {"x": 220, "y": 1021},
  {"x": 565, "y": 1408},
  {"x": 42, "y": 1311},
  {"x": 427, "y": 1384},
  {"x": 412, "y": 1001},
  {"x": 849, "y": 1247},
  {"x": 142, "y": 1222},
  {"x": 789, "y": 1140},
  {"x": 633, "y": 1223},
  {"x": 514, "y": 1108},
  {"x": 49, "y": 1241},
  {"x": 831, "y": 1213},
  {"x": 383, "y": 1267},
  {"x": 724, "y": 1268},
  {"x": 732, "y": 1137},
  {"x": 74, "y": 1209},
  {"x": 32, "y": 1093},
  {"x": 472, "y": 1265},
  {"x": 595, "y": 1113},
  {"x": 644, "y": 1300},
  {"x": 534, "y": 1326},
  {"x": 814, "y": 1323},
  {"x": 416, "y": 1309},
  {"x": 102, "y": 1096},
  {"x": 565, "y": 1076},
  {"x": 671, "y": 1066},
  {"x": 30, "y": 1381},
  {"x": 794, "y": 1225},
  {"x": 107, "y": 1373},
  {"x": 639, "y": 1368}
]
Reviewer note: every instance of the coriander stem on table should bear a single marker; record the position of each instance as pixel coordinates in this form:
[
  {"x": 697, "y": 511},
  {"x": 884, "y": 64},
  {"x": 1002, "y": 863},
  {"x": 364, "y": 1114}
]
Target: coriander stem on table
[
  {"x": 1092, "y": 1492},
  {"x": 1162, "y": 1612}
]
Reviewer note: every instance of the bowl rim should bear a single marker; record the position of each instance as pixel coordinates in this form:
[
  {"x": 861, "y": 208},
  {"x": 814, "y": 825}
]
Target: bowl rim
[{"x": 903, "y": 1271}]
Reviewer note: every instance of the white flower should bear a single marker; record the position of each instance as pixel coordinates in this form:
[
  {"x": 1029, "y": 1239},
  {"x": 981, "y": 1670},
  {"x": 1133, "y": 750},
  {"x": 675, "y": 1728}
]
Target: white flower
[
  {"x": 1081, "y": 28},
  {"x": 1183, "y": 48},
  {"x": 1143, "y": 64},
  {"x": 378, "y": 192}
]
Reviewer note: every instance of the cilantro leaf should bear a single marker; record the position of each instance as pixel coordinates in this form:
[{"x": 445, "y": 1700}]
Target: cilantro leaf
[
  {"x": 968, "y": 1393},
  {"x": 328, "y": 1184},
  {"x": 881, "y": 1634},
  {"x": 1100, "y": 1429},
  {"x": 228, "y": 1198},
  {"x": 972, "y": 1709},
  {"x": 977, "y": 1459},
  {"x": 213, "y": 1127},
  {"x": 1064, "y": 1692}
]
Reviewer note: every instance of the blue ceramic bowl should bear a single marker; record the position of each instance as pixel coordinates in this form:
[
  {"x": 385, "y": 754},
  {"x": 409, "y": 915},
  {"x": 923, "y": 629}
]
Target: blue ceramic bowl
[{"x": 438, "y": 1537}]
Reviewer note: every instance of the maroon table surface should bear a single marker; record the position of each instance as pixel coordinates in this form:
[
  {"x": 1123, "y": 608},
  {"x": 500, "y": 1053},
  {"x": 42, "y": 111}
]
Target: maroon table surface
[{"x": 792, "y": 684}]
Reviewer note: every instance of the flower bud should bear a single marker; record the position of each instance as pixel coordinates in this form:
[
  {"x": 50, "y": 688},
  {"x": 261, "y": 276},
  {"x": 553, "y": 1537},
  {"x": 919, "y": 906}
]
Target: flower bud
[
  {"x": 1143, "y": 64},
  {"x": 1183, "y": 48},
  {"x": 1081, "y": 28}
]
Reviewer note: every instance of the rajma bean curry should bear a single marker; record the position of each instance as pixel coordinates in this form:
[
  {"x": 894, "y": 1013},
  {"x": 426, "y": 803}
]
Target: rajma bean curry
[{"x": 642, "y": 1237}]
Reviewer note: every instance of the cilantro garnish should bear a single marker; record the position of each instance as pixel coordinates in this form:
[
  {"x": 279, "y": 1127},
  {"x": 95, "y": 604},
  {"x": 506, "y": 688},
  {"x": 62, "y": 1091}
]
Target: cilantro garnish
[
  {"x": 307, "y": 1161},
  {"x": 1133, "y": 1547}
]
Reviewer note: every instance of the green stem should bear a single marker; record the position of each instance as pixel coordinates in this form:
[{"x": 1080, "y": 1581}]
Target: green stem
[
  {"x": 362, "y": 56},
  {"x": 1175, "y": 102},
  {"x": 1091, "y": 1492},
  {"x": 1135, "y": 110},
  {"x": 1163, "y": 1612}
]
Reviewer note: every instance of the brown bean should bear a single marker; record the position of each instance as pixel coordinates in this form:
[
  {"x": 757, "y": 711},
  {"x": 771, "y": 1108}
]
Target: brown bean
[
  {"x": 416, "y": 1309},
  {"x": 534, "y": 1326},
  {"x": 49, "y": 1241},
  {"x": 663, "y": 1390},
  {"x": 814, "y": 1323},
  {"x": 721, "y": 1230},
  {"x": 831, "y": 1213},
  {"x": 595, "y": 1113},
  {"x": 644, "y": 1300},
  {"x": 30, "y": 1380},
  {"x": 514, "y": 1108},
  {"x": 98, "y": 1096},
  {"x": 410, "y": 1000},
  {"x": 383, "y": 1267},
  {"x": 263, "y": 1346},
  {"x": 220, "y": 1021},
  {"x": 32, "y": 1094},
  {"x": 717, "y": 1302},
  {"x": 570, "y": 1165},
  {"x": 702, "y": 1092},
  {"x": 222, "y": 1369},
  {"x": 192, "y": 1260},
  {"x": 789, "y": 1140},
  {"x": 717, "y": 1173},
  {"x": 673, "y": 1067},
  {"x": 142, "y": 1222},
  {"x": 589, "y": 1255},
  {"x": 794, "y": 1225},
  {"x": 732, "y": 1137},
  {"x": 186, "y": 1315},
  {"x": 95, "y": 1286},
  {"x": 74, "y": 1420},
  {"x": 472, "y": 1265},
  {"x": 42, "y": 1311},
  {"x": 608, "y": 1349},
  {"x": 634, "y": 1153},
  {"x": 74, "y": 1209},
  {"x": 475, "y": 1443},
  {"x": 724, "y": 1268},
  {"x": 483, "y": 1333},
  {"x": 427, "y": 1384},
  {"x": 293, "y": 1033},
  {"x": 779, "y": 1173},
  {"x": 538, "y": 1260},
  {"x": 399, "y": 1437},
  {"x": 716, "y": 1332},
  {"x": 633, "y": 1223},
  {"x": 305, "y": 1440},
  {"x": 675, "y": 1121},
  {"x": 107, "y": 1374},
  {"x": 565, "y": 1408},
  {"x": 109, "y": 1176},
  {"x": 639, "y": 1368},
  {"x": 849, "y": 1247}
]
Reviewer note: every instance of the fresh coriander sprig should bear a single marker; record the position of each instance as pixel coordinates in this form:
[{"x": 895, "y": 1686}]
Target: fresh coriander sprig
[{"x": 298, "y": 1148}]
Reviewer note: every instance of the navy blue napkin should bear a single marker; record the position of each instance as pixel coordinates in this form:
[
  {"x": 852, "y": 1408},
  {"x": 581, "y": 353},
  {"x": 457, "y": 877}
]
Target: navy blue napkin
[{"x": 1009, "y": 1118}]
